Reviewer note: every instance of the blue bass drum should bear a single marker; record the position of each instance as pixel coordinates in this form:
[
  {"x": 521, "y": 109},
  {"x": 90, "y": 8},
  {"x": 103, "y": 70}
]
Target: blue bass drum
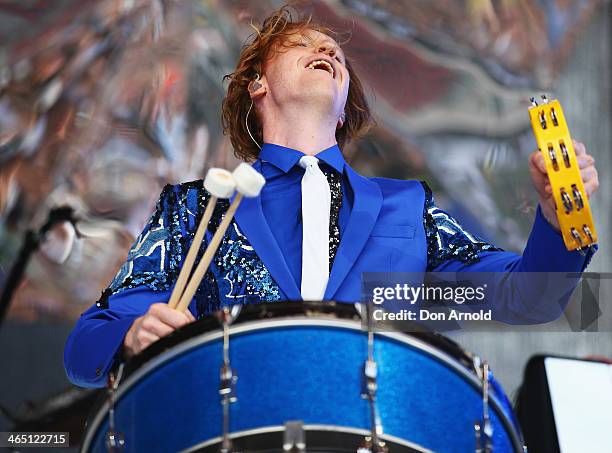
[{"x": 299, "y": 368}]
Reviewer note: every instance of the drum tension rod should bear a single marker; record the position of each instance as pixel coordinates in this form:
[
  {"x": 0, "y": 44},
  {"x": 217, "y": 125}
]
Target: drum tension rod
[
  {"x": 115, "y": 441},
  {"x": 228, "y": 376},
  {"x": 483, "y": 429},
  {"x": 369, "y": 386}
]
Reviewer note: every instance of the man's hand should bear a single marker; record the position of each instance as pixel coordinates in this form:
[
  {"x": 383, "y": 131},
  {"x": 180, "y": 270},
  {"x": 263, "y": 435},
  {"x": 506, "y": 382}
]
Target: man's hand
[
  {"x": 586, "y": 163},
  {"x": 159, "y": 321}
]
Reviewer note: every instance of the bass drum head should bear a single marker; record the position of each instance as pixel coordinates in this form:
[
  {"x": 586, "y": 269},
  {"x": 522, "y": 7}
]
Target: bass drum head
[{"x": 318, "y": 438}]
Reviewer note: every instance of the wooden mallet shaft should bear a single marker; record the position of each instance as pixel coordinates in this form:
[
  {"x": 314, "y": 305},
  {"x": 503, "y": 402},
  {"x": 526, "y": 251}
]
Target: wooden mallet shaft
[{"x": 204, "y": 263}]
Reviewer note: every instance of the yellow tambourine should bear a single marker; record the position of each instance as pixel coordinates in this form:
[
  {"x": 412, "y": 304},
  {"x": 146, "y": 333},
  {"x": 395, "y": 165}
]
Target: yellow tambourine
[{"x": 555, "y": 144}]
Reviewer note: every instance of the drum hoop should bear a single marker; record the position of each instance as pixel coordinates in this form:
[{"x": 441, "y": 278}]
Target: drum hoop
[
  {"x": 290, "y": 309},
  {"x": 300, "y": 321},
  {"x": 308, "y": 427}
]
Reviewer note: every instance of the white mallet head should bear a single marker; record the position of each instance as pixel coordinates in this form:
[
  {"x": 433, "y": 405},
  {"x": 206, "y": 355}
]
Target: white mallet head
[
  {"x": 248, "y": 180},
  {"x": 220, "y": 183}
]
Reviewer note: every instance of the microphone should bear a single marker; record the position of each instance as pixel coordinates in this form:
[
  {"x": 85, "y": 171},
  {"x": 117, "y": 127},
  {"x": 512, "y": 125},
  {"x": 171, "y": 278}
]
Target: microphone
[{"x": 32, "y": 241}]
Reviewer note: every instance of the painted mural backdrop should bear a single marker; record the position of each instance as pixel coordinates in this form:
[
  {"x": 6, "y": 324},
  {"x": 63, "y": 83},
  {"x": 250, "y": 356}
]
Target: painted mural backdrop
[{"x": 103, "y": 102}]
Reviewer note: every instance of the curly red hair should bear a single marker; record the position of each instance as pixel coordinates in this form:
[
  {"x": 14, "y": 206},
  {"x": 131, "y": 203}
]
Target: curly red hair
[{"x": 275, "y": 30}]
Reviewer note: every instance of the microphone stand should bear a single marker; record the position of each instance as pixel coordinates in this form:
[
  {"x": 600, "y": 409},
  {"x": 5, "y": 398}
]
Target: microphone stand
[{"x": 31, "y": 243}]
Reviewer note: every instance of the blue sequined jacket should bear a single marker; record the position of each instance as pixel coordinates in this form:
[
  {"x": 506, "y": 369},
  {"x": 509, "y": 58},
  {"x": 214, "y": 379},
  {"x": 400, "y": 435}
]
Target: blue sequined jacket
[{"x": 394, "y": 226}]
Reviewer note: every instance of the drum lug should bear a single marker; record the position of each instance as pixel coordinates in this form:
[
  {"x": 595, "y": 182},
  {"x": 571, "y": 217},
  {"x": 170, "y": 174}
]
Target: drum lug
[
  {"x": 477, "y": 433},
  {"x": 369, "y": 446},
  {"x": 294, "y": 438},
  {"x": 115, "y": 440},
  {"x": 368, "y": 380},
  {"x": 227, "y": 388},
  {"x": 483, "y": 444}
]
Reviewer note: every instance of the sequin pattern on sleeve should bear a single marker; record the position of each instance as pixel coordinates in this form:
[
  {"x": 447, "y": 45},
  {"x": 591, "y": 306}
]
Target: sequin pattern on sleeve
[{"x": 446, "y": 238}]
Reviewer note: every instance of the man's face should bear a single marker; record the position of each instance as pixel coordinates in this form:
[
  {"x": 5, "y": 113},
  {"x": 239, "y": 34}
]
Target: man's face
[{"x": 308, "y": 68}]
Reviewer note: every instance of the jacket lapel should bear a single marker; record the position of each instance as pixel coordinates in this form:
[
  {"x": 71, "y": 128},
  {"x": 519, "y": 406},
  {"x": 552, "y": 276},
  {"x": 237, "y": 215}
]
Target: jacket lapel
[
  {"x": 253, "y": 225},
  {"x": 366, "y": 207}
]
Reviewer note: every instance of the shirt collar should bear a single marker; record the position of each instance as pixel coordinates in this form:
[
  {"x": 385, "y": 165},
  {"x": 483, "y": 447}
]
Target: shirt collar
[{"x": 286, "y": 158}]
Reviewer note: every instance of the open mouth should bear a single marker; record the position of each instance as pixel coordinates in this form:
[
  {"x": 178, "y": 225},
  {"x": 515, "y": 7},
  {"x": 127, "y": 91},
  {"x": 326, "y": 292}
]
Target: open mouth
[{"x": 322, "y": 65}]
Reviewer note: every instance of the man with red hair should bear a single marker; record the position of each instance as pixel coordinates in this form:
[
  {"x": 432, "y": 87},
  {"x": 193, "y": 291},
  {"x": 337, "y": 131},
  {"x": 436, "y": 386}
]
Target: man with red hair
[{"x": 293, "y": 102}]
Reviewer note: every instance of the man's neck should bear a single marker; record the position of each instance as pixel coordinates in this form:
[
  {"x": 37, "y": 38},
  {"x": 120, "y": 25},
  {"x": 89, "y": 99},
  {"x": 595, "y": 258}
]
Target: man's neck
[{"x": 302, "y": 132}]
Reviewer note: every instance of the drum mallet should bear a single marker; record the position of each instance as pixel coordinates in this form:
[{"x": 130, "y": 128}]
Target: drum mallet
[
  {"x": 220, "y": 184},
  {"x": 248, "y": 184}
]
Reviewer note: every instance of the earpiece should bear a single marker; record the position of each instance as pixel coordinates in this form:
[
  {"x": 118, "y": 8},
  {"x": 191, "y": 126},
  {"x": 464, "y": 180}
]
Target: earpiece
[
  {"x": 341, "y": 120},
  {"x": 254, "y": 85}
]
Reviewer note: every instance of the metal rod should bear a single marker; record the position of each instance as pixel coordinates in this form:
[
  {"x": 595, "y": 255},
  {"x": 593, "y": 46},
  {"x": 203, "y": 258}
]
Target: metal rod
[
  {"x": 115, "y": 441},
  {"x": 228, "y": 377}
]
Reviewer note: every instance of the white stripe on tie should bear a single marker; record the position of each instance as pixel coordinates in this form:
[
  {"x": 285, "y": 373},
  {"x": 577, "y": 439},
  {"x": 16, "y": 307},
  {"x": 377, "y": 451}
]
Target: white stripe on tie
[{"x": 316, "y": 203}]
